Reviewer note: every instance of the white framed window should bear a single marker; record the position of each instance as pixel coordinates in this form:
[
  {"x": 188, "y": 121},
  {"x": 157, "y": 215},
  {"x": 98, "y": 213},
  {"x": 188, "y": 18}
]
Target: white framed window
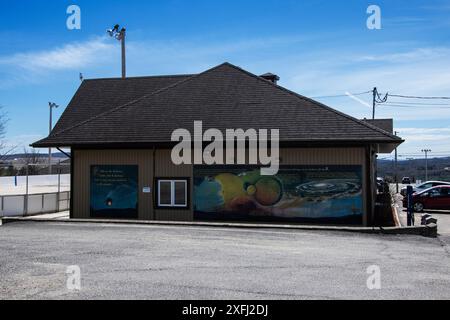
[{"x": 172, "y": 193}]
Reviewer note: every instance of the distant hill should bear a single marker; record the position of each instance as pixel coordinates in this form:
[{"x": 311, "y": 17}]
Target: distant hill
[
  {"x": 438, "y": 169},
  {"x": 55, "y": 155}
]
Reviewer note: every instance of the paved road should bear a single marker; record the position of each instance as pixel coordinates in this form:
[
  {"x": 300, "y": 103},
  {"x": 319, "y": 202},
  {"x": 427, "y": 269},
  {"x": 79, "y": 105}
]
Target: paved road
[{"x": 163, "y": 262}]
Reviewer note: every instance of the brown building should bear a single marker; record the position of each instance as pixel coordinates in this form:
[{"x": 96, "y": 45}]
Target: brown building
[{"x": 119, "y": 132}]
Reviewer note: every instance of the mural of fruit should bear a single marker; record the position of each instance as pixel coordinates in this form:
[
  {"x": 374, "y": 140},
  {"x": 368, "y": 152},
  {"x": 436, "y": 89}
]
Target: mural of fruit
[
  {"x": 251, "y": 190},
  {"x": 232, "y": 187},
  {"x": 242, "y": 204},
  {"x": 268, "y": 191},
  {"x": 208, "y": 196}
]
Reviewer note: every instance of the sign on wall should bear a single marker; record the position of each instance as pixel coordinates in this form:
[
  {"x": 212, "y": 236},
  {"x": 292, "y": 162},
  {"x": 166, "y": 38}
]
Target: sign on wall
[
  {"x": 323, "y": 194},
  {"x": 114, "y": 191}
]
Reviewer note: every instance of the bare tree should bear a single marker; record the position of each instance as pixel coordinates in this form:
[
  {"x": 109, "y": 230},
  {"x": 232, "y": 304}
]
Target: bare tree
[
  {"x": 30, "y": 159},
  {"x": 4, "y": 149}
]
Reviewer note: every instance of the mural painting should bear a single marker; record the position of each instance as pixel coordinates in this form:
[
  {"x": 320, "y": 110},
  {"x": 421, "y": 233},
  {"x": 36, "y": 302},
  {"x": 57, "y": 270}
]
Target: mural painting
[
  {"x": 114, "y": 191},
  {"x": 322, "y": 194}
]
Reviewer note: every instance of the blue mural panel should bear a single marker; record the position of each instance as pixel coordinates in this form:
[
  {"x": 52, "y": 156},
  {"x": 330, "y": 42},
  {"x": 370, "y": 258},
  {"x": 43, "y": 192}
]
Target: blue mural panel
[{"x": 114, "y": 191}]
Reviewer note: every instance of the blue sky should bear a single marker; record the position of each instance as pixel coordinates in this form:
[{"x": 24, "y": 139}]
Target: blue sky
[{"x": 318, "y": 48}]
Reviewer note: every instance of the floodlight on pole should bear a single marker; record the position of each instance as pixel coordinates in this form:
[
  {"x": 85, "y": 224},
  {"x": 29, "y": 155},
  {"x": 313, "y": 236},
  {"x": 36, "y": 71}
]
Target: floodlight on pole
[
  {"x": 120, "y": 36},
  {"x": 51, "y": 105}
]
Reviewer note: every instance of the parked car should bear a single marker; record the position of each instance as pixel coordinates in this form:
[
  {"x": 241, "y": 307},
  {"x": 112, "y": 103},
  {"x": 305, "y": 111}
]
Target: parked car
[
  {"x": 425, "y": 185},
  {"x": 406, "y": 180},
  {"x": 432, "y": 198}
]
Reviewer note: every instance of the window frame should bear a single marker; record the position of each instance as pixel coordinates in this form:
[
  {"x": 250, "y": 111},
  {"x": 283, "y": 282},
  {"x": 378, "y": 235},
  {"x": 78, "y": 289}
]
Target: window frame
[{"x": 173, "y": 181}]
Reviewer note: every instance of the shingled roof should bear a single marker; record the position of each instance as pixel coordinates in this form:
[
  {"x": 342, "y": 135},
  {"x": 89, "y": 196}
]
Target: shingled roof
[
  {"x": 147, "y": 110},
  {"x": 96, "y": 96}
]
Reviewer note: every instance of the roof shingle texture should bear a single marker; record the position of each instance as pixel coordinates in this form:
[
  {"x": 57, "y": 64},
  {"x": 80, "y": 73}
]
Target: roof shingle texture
[{"x": 224, "y": 97}]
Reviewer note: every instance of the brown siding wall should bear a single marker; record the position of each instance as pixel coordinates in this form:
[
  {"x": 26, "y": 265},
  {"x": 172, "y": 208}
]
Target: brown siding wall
[
  {"x": 164, "y": 168},
  {"x": 83, "y": 159}
]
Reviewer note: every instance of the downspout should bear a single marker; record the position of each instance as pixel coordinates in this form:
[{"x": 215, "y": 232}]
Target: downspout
[
  {"x": 369, "y": 193},
  {"x": 65, "y": 153},
  {"x": 154, "y": 183},
  {"x": 72, "y": 174}
]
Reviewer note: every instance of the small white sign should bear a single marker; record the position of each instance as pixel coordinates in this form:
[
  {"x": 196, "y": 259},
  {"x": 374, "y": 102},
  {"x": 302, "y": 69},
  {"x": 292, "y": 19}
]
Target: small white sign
[{"x": 146, "y": 190}]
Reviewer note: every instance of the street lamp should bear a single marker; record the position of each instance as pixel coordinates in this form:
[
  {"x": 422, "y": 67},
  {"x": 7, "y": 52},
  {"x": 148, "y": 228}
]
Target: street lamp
[
  {"x": 426, "y": 162},
  {"x": 51, "y": 105},
  {"x": 395, "y": 167},
  {"x": 119, "y": 35}
]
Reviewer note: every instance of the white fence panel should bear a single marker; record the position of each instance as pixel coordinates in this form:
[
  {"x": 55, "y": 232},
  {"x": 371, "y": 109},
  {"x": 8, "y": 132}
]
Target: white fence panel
[
  {"x": 34, "y": 204},
  {"x": 50, "y": 202},
  {"x": 64, "y": 201},
  {"x": 13, "y": 206}
]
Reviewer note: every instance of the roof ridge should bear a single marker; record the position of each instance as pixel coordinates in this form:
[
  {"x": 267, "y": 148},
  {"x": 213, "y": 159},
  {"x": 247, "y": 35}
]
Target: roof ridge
[
  {"x": 316, "y": 102},
  {"x": 144, "y": 77},
  {"x": 137, "y": 100}
]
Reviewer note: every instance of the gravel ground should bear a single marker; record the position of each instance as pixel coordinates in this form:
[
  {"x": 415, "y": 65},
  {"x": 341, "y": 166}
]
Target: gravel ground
[{"x": 165, "y": 262}]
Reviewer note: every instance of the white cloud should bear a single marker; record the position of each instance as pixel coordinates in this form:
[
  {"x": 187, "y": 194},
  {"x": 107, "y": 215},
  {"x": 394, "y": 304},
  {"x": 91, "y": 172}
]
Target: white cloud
[
  {"x": 408, "y": 56},
  {"x": 143, "y": 58},
  {"x": 416, "y": 139},
  {"x": 21, "y": 142},
  {"x": 67, "y": 57},
  {"x": 313, "y": 72},
  {"x": 421, "y": 72}
]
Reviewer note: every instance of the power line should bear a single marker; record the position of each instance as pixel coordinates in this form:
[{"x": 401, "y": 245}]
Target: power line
[
  {"x": 413, "y": 106},
  {"x": 417, "y": 97},
  {"x": 419, "y": 103},
  {"x": 341, "y": 95}
]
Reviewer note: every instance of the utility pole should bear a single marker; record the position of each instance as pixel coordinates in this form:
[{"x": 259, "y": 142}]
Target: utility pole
[
  {"x": 426, "y": 162},
  {"x": 119, "y": 35},
  {"x": 374, "y": 102},
  {"x": 51, "y": 105},
  {"x": 376, "y": 98},
  {"x": 395, "y": 167}
]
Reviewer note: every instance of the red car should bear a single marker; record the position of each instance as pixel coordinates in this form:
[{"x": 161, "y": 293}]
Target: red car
[{"x": 433, "y": 198}]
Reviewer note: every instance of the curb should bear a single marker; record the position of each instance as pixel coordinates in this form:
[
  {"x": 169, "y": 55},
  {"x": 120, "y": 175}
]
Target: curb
[{"x": 422, "y": 230}]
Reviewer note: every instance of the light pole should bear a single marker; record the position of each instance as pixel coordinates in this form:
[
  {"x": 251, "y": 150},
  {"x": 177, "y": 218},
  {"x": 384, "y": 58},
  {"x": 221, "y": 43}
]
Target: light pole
[
  {"x": 395, "y": 168},
  {"x": 426, "y": 162},
  {"x": 119, "y": 35},
  {"x": 51, "y": 105}
]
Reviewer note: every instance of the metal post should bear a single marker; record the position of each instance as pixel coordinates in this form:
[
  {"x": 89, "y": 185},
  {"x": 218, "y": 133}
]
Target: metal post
[
  {"x": 410, "y": 208},
  {"x": 59, "y": 176},
  {"x": 59, "y": 186},
  {"x": 426, "y": 162},
  {"x": 123, "y": 53},
  {"x": 374, "y": 102},
  {"x": 396, "y": 175},
  {"x": 50, "y": 149},
  {"x": 51, "y": 105},
  {"x": 26, "y": 192}
]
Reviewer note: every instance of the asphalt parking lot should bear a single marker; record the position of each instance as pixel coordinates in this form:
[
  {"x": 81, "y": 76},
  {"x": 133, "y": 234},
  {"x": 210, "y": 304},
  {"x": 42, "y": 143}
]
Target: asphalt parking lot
[
  {"x": 165, "y": 262},
  {"x": 443, "y": 216}
]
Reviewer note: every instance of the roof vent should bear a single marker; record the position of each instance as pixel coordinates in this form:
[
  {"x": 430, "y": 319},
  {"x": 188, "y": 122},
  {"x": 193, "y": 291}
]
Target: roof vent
[{"x": 270, "y": 77}]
